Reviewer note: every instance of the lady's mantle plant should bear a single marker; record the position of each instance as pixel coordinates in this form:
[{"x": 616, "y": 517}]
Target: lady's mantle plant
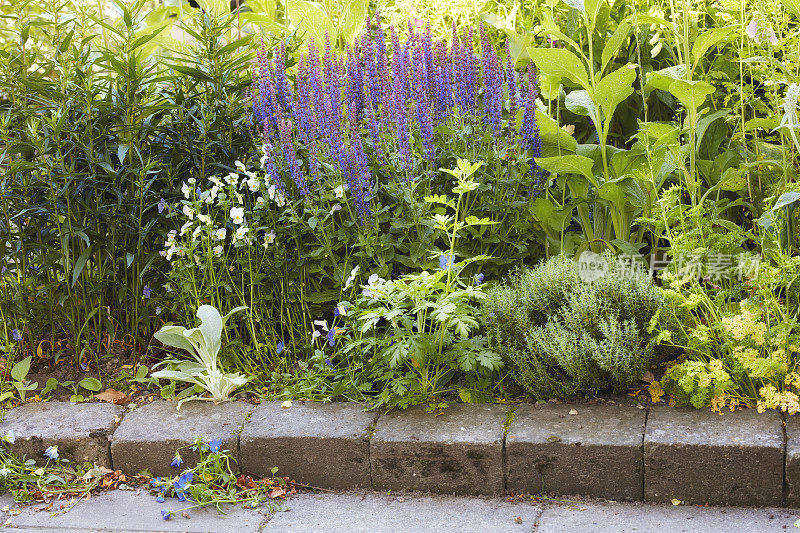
[{"x": 203, "y": 343}]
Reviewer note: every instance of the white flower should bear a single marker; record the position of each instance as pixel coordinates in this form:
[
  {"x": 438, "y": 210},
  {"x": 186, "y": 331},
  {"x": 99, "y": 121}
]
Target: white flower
[
  {"x": 205, "y": 219},
  {"x": 271, "y": 192},
  {"x": 280, "y": 199},
  {"x": 239, "y": 165},
  {"x": 192, "y": 181},
  {"x": 11, "y": 437},
  {"x": 322, "y": 323},
  {"x": 339, "y": 191},
  {"x": 253, "y": 184},
  {"x": 372, "y": 282},
  {"x": 4, "y": 472},
  {"x": 188, "y": 211},
  {"x": 220, "y": 234},
  {"x": 269, "y": 238},
  {"x": 260, "y": 201},
  {"x": 216, "y": 181},
  {"x": 186, "y": 227},
  {"x": 237, "y": 215},
  {"x": 218, "y": 250},
  {"x": 232, "y": 179},
  {"x": 158, "y": 310},
  {"x": 241, "y": 232},
  {"x": 186, "y": 190},
  {"x": 336, "y": 207},
  {"x": 315, "y": 334},
  {"x": 264, "y": 157},
  {"x": 352, "y": 277},
  {"x": 789, "y": 120}
]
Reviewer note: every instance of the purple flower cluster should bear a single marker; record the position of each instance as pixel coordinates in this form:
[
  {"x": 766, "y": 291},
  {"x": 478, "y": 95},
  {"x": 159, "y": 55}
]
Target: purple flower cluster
[{"x": 375, "y": 109}]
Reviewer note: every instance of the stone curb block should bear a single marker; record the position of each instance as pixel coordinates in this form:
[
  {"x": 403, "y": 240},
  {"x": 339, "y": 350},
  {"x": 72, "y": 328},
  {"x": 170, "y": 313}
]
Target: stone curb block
[
  {"x": 700, "y": 457},
  {"x": 459, "y": 451},
  {"x": 148, "y": 436},
  {"x": 595, "y": 452},
  {"x": 792, "y": 472},
  {"x": 81, "y": 431},
  {"x": 323, "y": 445}
]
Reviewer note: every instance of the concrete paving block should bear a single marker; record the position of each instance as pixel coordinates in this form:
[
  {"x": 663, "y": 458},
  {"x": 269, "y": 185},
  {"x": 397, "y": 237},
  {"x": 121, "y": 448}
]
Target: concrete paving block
[
  {"x": 459, "y": 451},
  {"x": 148, "y": 437},
  {"x": 80, "y": 430},
  {"x": 703, "y": 457},
  {"x": 596, "y": 452},
  {"x": 324, "y": 445},
  {"x": 792, "y": 461}
]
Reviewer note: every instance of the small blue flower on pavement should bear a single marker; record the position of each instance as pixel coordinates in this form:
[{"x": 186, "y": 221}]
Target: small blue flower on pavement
[
  {"x": 446, "y": 261},
  {"x": 52, "y": 452},
  {"x": 180, "y": 495},
  {"x": 184, "y": 480},
  {"x": 214, "y": 446},
  {"x": 155, "y": 481},
  {"x": 177, "y": 461},
  {"x": 160, "y": 499},
  {"x": 16, "y": 335},
  {"x": 166, "y": 514}
]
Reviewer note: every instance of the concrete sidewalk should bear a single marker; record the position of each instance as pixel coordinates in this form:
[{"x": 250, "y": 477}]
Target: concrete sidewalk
[{"x": 370, "y": 512}]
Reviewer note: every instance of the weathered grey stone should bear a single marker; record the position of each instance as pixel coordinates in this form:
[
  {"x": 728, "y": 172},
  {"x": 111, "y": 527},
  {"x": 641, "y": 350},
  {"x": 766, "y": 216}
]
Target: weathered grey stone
[
  {"x": 81, "y": 431},
  {"x": 703, "y": 457},
  {"x": 459, "y": 451},
  {"x": 148, "y": 437},
  {"x": 793, "y": 461},
  {"x": 324, "y": 445},
  {"x": 596, "y": 452}
]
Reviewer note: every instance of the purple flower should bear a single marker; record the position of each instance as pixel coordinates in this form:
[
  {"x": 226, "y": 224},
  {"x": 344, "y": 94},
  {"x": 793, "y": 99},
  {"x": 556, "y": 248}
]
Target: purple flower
[
  {"x": 155, "y": 481},
  {"x": 215, "y": 445},
  {"x": 479, "y": 279},
  {"x": 446, "y": 262},
  {"x": 180, "y": 495},
  {"x": 177, "y": 461},
  {"x": 161, "y": 205},
  {"x": 146, "y": 291},
  {"x": 279, "y": 347},
  {"x": 757, "y": 34},
  {"x": 160, "y": 498},
  {"x": 3, "y": 270},
  {"x": 165, "y": 514},
  {"x": 328, "y": 362},
  {"x": 84, "y": 364},
  {"x": 51, "y": 452},
  {"x": 16, "y": 335}
]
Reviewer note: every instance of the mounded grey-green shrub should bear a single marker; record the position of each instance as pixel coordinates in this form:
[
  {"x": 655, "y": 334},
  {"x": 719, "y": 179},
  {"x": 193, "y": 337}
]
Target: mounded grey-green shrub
[{"x": 566, "y": 336}]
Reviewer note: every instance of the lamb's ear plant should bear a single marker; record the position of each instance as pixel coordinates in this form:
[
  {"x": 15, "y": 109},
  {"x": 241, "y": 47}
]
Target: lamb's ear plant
[{"x": 203, "y": 343}]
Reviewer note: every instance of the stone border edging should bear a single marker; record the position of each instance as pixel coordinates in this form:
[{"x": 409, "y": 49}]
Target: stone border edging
[{"x": 610, "y": 452}]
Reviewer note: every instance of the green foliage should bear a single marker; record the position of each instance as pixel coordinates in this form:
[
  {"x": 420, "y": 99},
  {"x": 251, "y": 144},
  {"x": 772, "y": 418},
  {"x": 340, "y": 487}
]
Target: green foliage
[{"x": 566, "y": 336}]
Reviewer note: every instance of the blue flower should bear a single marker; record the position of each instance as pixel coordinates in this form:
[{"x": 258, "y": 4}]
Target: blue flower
[
  {"x": 214, "y": 445},
  {"x": 446, "y": 261},
  {"x": 177, "y": 461},
  {"x": 155, "y": 480},
  {"x": 331, "y": 333},
  {"x": 479, "y": 279},
  {"x": 16, "y": 335},
  {"x": 160, "y": 499},
  {"x": 184, "y": 480},
  {"x": 166, "y": 514},
  {"x": 328, "y": 362},
  {"x": 279, "y": 347},
  {"x": 84, "y": 365},
  {"x": 52, "y": 452},
  {"x": 146, "y": 291},
  {"x": 161, "y": 205},
  {"x": 180, "y": 495}
]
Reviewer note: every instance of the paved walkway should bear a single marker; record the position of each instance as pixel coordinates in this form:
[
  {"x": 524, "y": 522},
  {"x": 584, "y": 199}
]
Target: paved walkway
[{"x": 127, "y": 511}]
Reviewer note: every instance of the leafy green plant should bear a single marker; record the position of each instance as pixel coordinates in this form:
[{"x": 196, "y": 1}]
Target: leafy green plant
[
  {"x": 203, "y": 343},
  {"x": 566, "y": 336},
  {"x": 19, "y": 373}
]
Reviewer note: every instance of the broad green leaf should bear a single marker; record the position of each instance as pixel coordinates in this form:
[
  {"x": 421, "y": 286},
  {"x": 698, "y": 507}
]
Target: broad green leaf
[
  {"x": 355, "y": 14},
  {"x": 591, "y": 9},
  {"x": 220, "y": 8},
  {"x": 576, "y": 4},
  {"x": 580, "y": 103},
  {"x": 568, "y": 164},
  {"x": 174, "y": 336},
  {"x": 785, "y": 199},
  {"x": 92, "y": 384},
  {"x": 211, "y": 327},
  {"x": 691, "y": 94},
  {"x": 706, "y": 121},
  {"x": 662, "y": 79},
  {"x": 552, "y": 134},
  {"x": 614, "y": 88},
  {"x": 793, "y": 6},
  {"x": 561, "y": 64},
  {"x": 312, "y": 22},
  {"x": 707, "y": 39},
  {"x": 614, "y": 42},
  {"x": 20, "y": 369},
  {"x": 733, "y": 179},
  {"x": 553, "y": 218}
]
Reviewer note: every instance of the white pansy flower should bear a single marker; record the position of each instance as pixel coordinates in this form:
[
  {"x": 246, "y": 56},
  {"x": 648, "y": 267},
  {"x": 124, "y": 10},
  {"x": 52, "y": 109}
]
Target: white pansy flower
[
  {"x": 241, "y": 232},
  {"x": 269, "y": 238},
  {"x": 260, "y": 202},
  {"x": 192, "y": 181},
  {"x": 339, "y": 191},
  {"x": 239, "y": 165},
  {"x": 188, "y": 211},
  {"x": 232, "y": 179},
  {"x": 352, "y": 277},
  {"x": 185, "y": 227},
  {"x": 220, "y": 234},
  {"x": 237, "y": 215},
  {"x": 186, "y": 190},
  {"x": 205, "y": 219},
  {"x": 253, "y": 184},
  {"x": 218, "y": 250}
]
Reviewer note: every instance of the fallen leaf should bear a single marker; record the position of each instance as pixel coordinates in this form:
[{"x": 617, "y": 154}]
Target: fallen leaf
[
  {"x": 573, "y": 412},
  {"x": 656, "y": 392},
  {"x": 277, "y": 492},
  {"x": 518, "y": 519},
  {"x": 185, "y": 514},
  {"x": 648, "y": 377},
  {"x": 287, "y": 404},
  {"x": 113, "y": 396},
  {"x": 676, "y": 501}
]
